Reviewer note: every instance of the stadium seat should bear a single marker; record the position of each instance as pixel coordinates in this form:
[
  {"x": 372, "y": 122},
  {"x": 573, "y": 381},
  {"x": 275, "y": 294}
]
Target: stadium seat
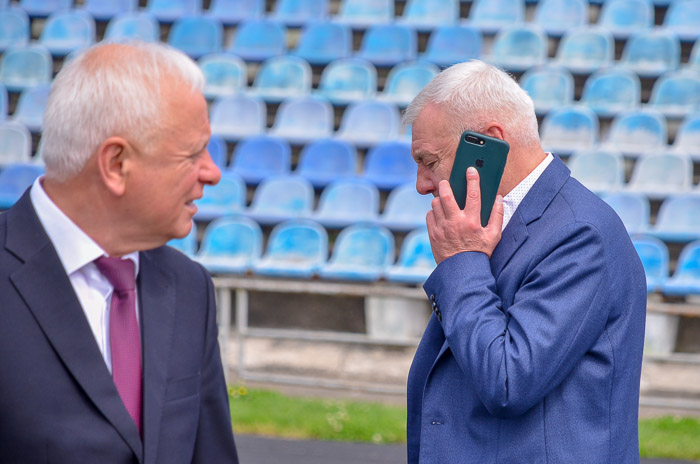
[
  {"x": 633, "y": 209},
  {"x": 231, "y": 12},
  {"x": 688, "y": 137},
  {"x": 612, "y": 91},
  {"x": 361, "y": 252},
  {"x": 133, "y": 26},
  {"x": 14, "y": 180},
  {"x": 654, "y": 256},
  {"x": 257, "y": 158},
  {"x": 676, "y": 94},
  {"x": 68, "y": 31},
  {"x": 682, "y": 18},
  {"x": 426, "y": 15},
  {"x": 282, "y": 77},
  {"x": 626, "y": 17},
  {"x": 361, "y": 14},
  {"x": 347, "y": 201},
  {"x": 678, "y": 219},
  {"x": 30, "y": 107},
  {"x": 405, "y": 80},
  {"x": 686, "y": 279},
  {"x": 405, "y": 208},
  {"x": 659, "y": 175},
  {"x": 585, "y": 50},
  {"x": 320, "y": 43},
  {"x": 369, "y": 122},
  {"x": 259, "y": 39},
  {"x": 296, "y": 13},
  {"x": 104, "y": 10},
  {"x": 557, "y": 17},
  {"x": 3, "y": 103},
  {"x": 196, "y": 35},
  {"x": 549, "y": 87},
  {"x": 490, "y": 16},
  {"x": 600, "y": 171},
  {"x": 302, "y": 119},
  {"x": 14, "y": 28},
  {"x": 389, "y": 164},
  {"x": 218, "y": 151},
  {"x": 167, "y": 11},
  {"x": 296, "y": 248},
  {"x": 223, "y": 199},
  {"x": 225, "y": 75},
  {"x": 44, "y": 8},
  {"x": 186, "y": 244},
  {"x": 230, "y": 245},
  {"x": 416, "y": 261},
  {"x": 652, "y": 53},
  {"x": 694, "y": 60},
  {"x": 238, "y": 117},
  {"x": 519, "y": 47},
  {"x": 568, "y": 129},
  {"x": 348, "y": 80},
  {"x": 386, "y": 45},
  {"x": 15, "y": 143},
  {"x": 448, "y": 45},
  {"x": 637, "y": 132},
  {"x": 279, "y": 198},
  {"x": 323, "y": 161}
]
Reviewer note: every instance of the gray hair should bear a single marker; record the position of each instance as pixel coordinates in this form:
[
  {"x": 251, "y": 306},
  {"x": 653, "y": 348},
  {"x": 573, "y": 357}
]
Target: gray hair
[
  {"x": 108, "y": 90},
  {"x": 475, "y": 93}
]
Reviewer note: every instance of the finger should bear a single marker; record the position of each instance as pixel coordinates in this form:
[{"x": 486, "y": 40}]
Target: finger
[
  {"x": 438, "y": 211},
  {"x": 496, "y": 218},
  {"x": 449, "y": 204},
  {"x": 472, "y": 207}
]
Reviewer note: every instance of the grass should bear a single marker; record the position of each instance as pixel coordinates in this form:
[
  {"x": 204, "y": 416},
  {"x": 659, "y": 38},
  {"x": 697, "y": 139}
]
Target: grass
[{"x": 264, "y": 412}]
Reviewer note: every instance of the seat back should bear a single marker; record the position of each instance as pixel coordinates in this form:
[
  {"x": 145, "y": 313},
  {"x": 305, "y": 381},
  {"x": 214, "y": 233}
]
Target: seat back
[
  {"x": 346, "y": 201},
  {"x": 638, "y": 132},
  {"x": 369, "y": 122},
  {"x": 416, "y": 251},
  {"x": 492, "y": 15},
  {"x": 224, "y": 74},
  {"x": 676, "y": 94},
  {"x": 325, "y": 160},
  {"x": 661, "y": 174},
  {"x": 235, "y": 11},
  {"x": 632, "y": 208},
  {"x": 303, "y": 118},
  {"x": 364, "y": 245},
  {"x": 167, "y": 11},
  {"x": 196, "y": 35},
  {"x": 15, "y": 143},
  {"x": 652, "y": 53},
  {"x": 321, "y": 43},
  {"x": 519, "y": 47},
  {"x": 348, "y": 80},
  {"x": 626, "y": 17},
  {"x": 599, "y": 171},
  {"x": 43, "y": 8},
  {"x": 569, "y": 128},
  {"x": 232, "y": 237},
  {"x": 558, "y": 16},
  {"x": 14, "y": 28},
  {"x": 259, "y": 39},
  {"x": 388, "y": 44},
  {"x": 406, "y": 80},
  {"x": 405, "y": 208},
  {"x": 682, "y": 18},
  {"x": 679, "y": 218},
  {"x": 133, "y": 26},
  {"x": 256, "y": 158},
  {"x": 104, "y": 10},
  {"x": 298, "y": 12},
  {"x": 389, "y": 164},
  {"x": 688, "y": 136},
  {"x": 282, "y": 196},
  {"x": 238, "y": 116},
  {"x": 610, "y": 91},
  {"x": 297, "y": 241},
  {"x": 448, "y": 45},
  {"x": 549, "y": 87},
  {"x": 281, "y": 77},
  {"x": 14, "y": 180},
  {"x": 689, "y": 263},
  {"x": 364, "y": 13},
  {"x": 68, "y": 31},
  {"x": 654, "y": 256},
  {"x": 425, "y": 15},
  {"x": 586, "y": 49},
  {"x": 25, "y": 66},
  {"x": 226, "y": 197}
]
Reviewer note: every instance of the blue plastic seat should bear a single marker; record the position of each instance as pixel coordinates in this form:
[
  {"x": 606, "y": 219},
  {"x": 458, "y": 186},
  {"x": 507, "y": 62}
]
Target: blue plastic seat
[
  {"x": 386, "y": 45},
  {"x": 557, "y": 17},
  {"x": 405, "y": 208},
  {"x": 369, "y": 122},
  {"x": 389, "y": 164},
  {"x": 361, "y": 252},
  {"x": 259, "y": 39},
  {"x": 44, "y": 8},
  {"x": 694, "y": 60},
  {"x": 347, "y": 201},
  {"x": 585, "y": 50},
  {"x": 519, "y": 47},
  {"x": 279, "y": 198},
  {"x": 405, "y": 80},
  {"x": 652, "y": 53},
  {"x": 490, "y": 16},
  {"x": 600, "y": 171},
  {"x": 416, "y": 261},
  {"x": 296, "y": 248},
  {"x": 257, "y": 158},
  {"x": 682, "y": 18},
  {"x": 15, "y": 143},
  {"x": 14, "y": 180},
  {"x": 321, "y": 43},
  {"x": 238, "y": 117},
  {"x": 659, "y": 175},
  {"x": 230, "y": 245},
  {"x": 225, "y": 75},
  {"x": 688, "y": 137},
  {"x": 633, "y": 209},
  {"x": 282, "y": 77},
  {"x": 549, "y": 87},
  {"x": 68, "y": 31},
  {"x": 612, "y": 91},
  {"x": 626, "y": 17},
  {"x": 637, "y": 132},
  {"x": 223, "y": 199},
  {"x": 133, "y": 26},
  {"x": 186, "y": 244},
  {"x": 218, "y": 151},
  {"x": 302, "y": 119},
  {"x": 296, "y": 13},
  {"x": 448, "y": 45},
  {"x": 14, "y": 28},
  {"x": 231, "y": 12},
  {"x": 654, "y": 256},
  {"x": 678, "y": 219},
  {"x": 167, "y": 11},
  {"x": 676, "y": 94},
  {"x": 3, "y": 102},
  {"x": 348, "y": 80},
  {"x": 196, "y": 35},
  {"x": 426, "y": 15},
  {"x": 323, "y": 161},
  {"x": 361, "y": 14},
  {"x": 568, "y": 129},
  {"x": 686, "y": 278},
  {"x": 104, "y": 10},
  {"x": 30, "y": 107}
]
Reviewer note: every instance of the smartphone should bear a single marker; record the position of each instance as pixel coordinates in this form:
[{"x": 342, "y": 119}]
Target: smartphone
[{"x": 488, "y": 155}]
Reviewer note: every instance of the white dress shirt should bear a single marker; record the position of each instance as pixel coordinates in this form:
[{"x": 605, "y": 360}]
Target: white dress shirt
[
  {"x": 513, "y": 199},
  {"x": 77, "y": 252}
]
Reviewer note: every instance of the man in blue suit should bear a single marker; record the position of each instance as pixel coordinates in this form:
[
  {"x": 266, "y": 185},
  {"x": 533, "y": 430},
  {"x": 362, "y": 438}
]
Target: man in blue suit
[
  {"x": 125, "y": 147},
  {"x": 533, "y": 352}
]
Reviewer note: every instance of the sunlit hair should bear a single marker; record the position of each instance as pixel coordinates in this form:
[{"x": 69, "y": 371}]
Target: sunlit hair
[
  {"x": 109, "y": 90},
  {"x": 475, "y": 93}
]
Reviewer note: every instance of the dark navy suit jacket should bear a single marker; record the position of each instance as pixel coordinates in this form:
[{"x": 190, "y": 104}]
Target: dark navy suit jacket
[
  {"x": 534, "y": 356},
  {"x": 58, "y": 402}
]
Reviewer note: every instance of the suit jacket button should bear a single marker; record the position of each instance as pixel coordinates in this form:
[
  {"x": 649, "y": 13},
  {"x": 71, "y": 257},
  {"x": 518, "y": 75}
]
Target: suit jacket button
[
  {"x": 432, "y": 298},
  {"x": 438, "y": 314}
]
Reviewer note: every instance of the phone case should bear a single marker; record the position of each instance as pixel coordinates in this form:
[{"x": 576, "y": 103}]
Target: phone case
[{"x": 488, "y": 155}]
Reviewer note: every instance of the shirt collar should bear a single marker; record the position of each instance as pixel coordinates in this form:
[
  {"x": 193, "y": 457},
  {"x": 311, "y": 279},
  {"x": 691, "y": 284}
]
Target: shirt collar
[{"x": 513, "y": 199}]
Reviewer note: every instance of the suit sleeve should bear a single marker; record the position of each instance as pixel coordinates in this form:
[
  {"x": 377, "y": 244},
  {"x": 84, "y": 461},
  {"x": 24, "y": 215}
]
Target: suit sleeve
[{"x": 516, "y": 357}]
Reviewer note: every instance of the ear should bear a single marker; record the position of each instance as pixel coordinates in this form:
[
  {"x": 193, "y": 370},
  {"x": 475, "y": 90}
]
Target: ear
[
  {"x": 495, "y": 129},
  {"x": 112, "y": 159}
]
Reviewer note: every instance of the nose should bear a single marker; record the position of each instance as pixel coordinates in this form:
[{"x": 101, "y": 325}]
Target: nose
[
  {"x": 209, "y": 173},
  {"x": 424, "y": 184}
]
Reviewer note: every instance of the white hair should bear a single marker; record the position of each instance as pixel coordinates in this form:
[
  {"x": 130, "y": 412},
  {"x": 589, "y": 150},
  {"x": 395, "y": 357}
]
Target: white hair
[
  {"x": 475, "y": 93},
  {"x": 109, "y": 90}
]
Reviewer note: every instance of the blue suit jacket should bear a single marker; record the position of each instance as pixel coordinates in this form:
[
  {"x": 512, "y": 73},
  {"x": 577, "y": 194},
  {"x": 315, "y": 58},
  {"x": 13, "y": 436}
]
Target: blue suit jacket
[
  {"x": 58, "y": 402},
  {"x": 534, "y": 356}
]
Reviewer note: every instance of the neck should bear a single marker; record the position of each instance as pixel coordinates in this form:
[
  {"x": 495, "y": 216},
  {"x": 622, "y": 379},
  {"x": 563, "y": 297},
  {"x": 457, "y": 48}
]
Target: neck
[{"x": 523, "y": 161}]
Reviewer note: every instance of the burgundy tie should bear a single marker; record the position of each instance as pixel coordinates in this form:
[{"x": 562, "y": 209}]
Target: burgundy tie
[{"x": 124, "y": 337}]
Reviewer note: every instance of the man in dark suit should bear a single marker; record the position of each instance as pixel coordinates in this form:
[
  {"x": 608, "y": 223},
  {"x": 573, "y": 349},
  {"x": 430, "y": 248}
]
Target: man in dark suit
[
  {"x": 108, "y": 340},
  {"x": 533, "y": 352}
]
